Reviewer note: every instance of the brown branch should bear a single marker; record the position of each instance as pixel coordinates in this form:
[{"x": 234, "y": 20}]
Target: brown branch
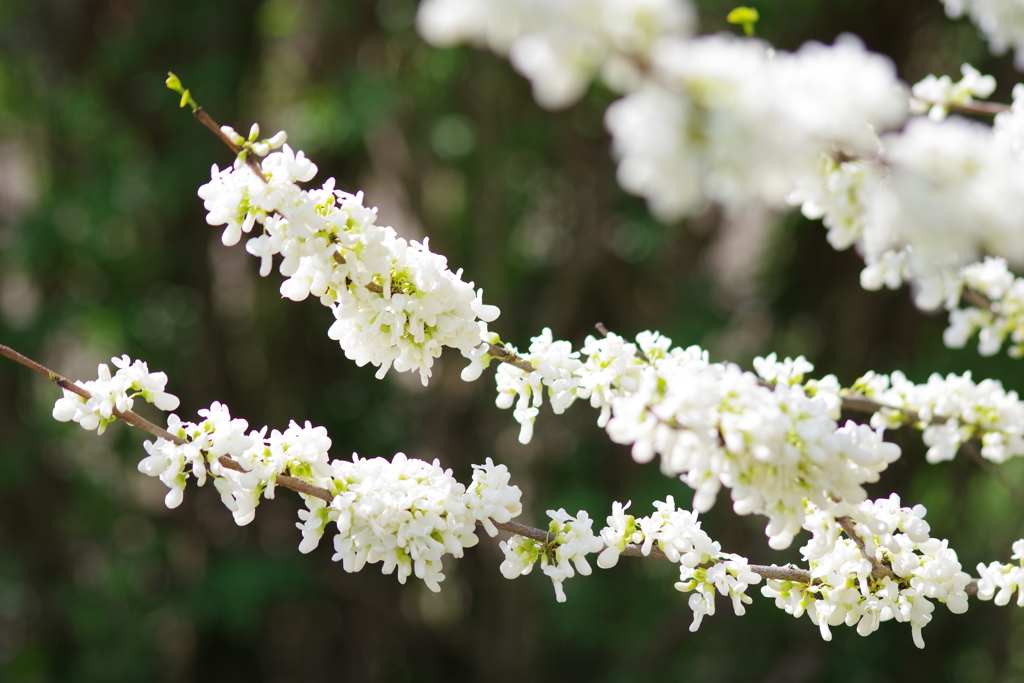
[
  {"x": 976, "y": 299},
  {"x": 879, "y": 570},
  {"x": 136, "y": 420},
  {"x": 295, "y": 484},
  {"x": 500, "y": 353},
  {"x": 980, "y": 108},
  {"x": 208, "y": 121}
]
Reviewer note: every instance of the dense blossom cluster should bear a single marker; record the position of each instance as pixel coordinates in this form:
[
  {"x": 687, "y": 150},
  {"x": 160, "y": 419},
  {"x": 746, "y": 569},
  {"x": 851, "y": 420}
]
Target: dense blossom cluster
[
  {"x": 405, "y": 513},
  {"x": 713, "y": 118},
  {"x": 951, "y": 410},
  {"x": 707, "y": 118},
  {"x": 704, "y": 568},
  {"x": 733, "y": 121},
  {"x": 711, "y": 424},
  {"x": 845, "y": 591},
  {"x": 114, "y": 392},
  {"x": 1002, "y": 22},
  {"x": 725, "y": 119},
  {"x": 396, "y": 303},
  {"x": 999, "y": 581},
  {"x": 936, "y": 197},
  {"x": 561, "y": 46}
]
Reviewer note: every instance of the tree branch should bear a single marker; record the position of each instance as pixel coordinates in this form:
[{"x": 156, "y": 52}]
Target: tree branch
[
  {"x": 980, "y": 108},
  {"x": 500, "y": 353},
  {"x": 879, "y": 570},
  {"x": 631, "y": 550},
  {"x": 976, "y": 299},
  {"x": 214, "y": 127}
]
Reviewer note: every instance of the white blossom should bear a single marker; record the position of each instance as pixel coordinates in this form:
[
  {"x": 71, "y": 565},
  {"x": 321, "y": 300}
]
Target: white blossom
[
  {"x": 950, "y": 410},
  {"x": 1001, "y": 21},
  {"x": 396, "y": 303},
  {"x": 845, "y": 591},
  {"x": 1009, "y": 125},
  {"x": 725, "y": 119},
  {"x": 571, "y": 540},
  {"x": 113, "y": 392},
  {"x": 711, "y": 424},
  {"x": 999, "y": 581},
  {"x": 935, "y": 95},
  {"x": 562, "y": 45}
]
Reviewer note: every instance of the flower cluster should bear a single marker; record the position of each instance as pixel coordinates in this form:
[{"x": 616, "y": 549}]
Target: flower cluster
[
  {"x": 730, "y": 120},
  {"x": 708, "y": 118},
  {"x": 712, "y": 424},
  {"x": 926, "y": 206},
  {"x": 114, "y": 392},
  {"x": 571, "y": 540},
  {"x": 676, "y": 532},
  {"x": 725, "y": 119},
  {"x": 396, "y": 303},
  {"x": 935, "y": 95},
  {"x": 844, "y": 589},
  {"x": 1000, "y": 581},
  {"x": 1002, "y": 22},
  {"x": 561, "y": 46},
  {"x": 406, "y": 513},
  {"x": 951, "y": 410},
  {"x": 704, "y": 568},
  {"x": 729, "y": 576}
]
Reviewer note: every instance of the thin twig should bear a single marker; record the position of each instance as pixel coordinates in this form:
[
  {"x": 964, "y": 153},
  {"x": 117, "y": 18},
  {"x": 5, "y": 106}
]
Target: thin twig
[
  {"x": 973, "y": 453},
  {"x": 136, "y": 420},
  {"x": 208, "y": 121},
  {"x": 879, "y": 570},
  {"x": 500, "y": 353},
  {"x": 977, "y": 300},
  {"x": 980, "y": 108}
]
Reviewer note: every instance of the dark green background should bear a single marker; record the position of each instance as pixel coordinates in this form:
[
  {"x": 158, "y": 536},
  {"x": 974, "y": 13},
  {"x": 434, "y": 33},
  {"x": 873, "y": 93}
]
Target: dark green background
[{"x": 104, "y": 250}]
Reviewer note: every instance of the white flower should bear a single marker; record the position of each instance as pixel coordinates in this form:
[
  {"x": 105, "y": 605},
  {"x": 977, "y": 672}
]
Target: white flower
[
  {"x": 1002, "y": 22},
  {"x": 844, "y": 590},
  {"x": 951, "y": 410},
  {"x": 396, "y": 303},
  {"x": 572, "y": 539},
  {"x": 490, "y": 498},
  {"x": 110, "y": 393},
  {"x": 730, "y": 122},
  {"x": 560, "y": 46},
  {"x": 935, "y": 95}
]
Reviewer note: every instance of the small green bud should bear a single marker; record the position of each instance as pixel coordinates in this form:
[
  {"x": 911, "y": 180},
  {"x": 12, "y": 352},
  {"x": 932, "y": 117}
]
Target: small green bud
[
  {"x": 174, "y": 83},
  {"x": 745, "y": 17}
]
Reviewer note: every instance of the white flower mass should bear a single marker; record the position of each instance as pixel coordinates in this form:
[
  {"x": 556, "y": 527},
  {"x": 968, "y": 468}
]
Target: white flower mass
[
  {"x": 934, "y": 200},
  {"x": 110, "y": 392},
  {"x": 395, "y": 302}
]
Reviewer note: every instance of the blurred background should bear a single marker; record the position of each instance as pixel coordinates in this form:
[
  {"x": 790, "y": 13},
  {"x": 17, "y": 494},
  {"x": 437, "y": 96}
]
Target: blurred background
[{"x": 104, "y": 250}]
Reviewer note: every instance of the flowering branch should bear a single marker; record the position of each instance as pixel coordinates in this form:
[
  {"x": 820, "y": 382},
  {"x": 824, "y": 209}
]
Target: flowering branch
[
  {"x": 135, "y": 420},
  {"x": 772, "y": 572}
]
